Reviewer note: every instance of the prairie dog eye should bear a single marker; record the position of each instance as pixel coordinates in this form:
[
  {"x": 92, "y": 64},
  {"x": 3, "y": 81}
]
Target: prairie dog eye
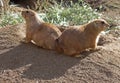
[
  {"x": 102, "y": 22},
  {"x": 27, "y": 11}
]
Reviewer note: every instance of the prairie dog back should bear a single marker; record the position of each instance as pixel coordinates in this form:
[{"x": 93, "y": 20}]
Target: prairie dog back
[
  {"x": 41, "y": 33},
  {"x": 77, "y": 39}
]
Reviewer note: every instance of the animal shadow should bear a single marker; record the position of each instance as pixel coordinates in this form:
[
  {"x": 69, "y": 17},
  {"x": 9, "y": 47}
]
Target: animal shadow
[{"x": 44, "y": 64}]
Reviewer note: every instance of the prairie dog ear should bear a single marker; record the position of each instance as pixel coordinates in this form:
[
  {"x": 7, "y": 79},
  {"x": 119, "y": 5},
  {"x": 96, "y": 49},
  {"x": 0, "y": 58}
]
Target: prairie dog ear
[
  {"x": 31, "y": 13},
  {"x": 95, "y": 24}
]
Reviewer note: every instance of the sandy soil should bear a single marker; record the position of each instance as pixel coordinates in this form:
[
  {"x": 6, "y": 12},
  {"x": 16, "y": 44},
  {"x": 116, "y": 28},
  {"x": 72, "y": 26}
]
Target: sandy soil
[{"x": 27, "y": 63}]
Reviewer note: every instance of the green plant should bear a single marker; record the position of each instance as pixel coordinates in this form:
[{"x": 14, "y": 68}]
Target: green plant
[
  {"x": 59, "y": 14},
  {"x": 70, "y": 14},
  {"x": 10, "y": 18}
]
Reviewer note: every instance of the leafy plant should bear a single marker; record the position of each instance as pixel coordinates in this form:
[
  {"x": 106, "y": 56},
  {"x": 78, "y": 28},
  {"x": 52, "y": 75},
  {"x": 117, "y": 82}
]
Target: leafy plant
[
  {"x": 71, "y": 14},
  {"x": 59, "y": 14},
  {"x": 10, "y": 18}
]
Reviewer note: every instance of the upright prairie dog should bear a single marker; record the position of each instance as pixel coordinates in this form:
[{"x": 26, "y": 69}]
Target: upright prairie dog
[
  {"x": 41, "y": 33},
  {"x": 76, "y": 39}
]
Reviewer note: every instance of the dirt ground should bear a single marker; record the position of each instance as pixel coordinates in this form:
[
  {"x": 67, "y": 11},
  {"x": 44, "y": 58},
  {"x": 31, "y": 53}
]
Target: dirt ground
[{"x": 27, "y": 63}]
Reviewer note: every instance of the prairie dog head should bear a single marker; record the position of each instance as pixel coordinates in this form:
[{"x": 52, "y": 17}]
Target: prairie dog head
[
  {"x": 100, "y": 24},
  {"x": 30, "y": 15}
]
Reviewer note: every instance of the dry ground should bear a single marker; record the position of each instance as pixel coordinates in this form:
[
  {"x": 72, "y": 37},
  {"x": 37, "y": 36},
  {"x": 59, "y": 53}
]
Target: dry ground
[{"x": 27, "y": 63}]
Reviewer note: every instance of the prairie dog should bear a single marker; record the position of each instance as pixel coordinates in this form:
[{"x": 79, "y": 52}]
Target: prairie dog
[
  {"x": 76, "y": 39},
  {"x": 41, "y": 33}
]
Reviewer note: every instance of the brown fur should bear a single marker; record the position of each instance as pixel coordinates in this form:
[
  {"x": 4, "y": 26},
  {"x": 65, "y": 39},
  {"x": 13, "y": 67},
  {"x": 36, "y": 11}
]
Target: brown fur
[
  {"x": 76, "y": 39},
  {"x": 41, "y": 33}
]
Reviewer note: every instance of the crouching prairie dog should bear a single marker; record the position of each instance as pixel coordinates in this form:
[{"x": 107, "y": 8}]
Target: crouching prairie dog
[
  {"x": 41, "y": 33},
  {"x": 76, "y": 39}
]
